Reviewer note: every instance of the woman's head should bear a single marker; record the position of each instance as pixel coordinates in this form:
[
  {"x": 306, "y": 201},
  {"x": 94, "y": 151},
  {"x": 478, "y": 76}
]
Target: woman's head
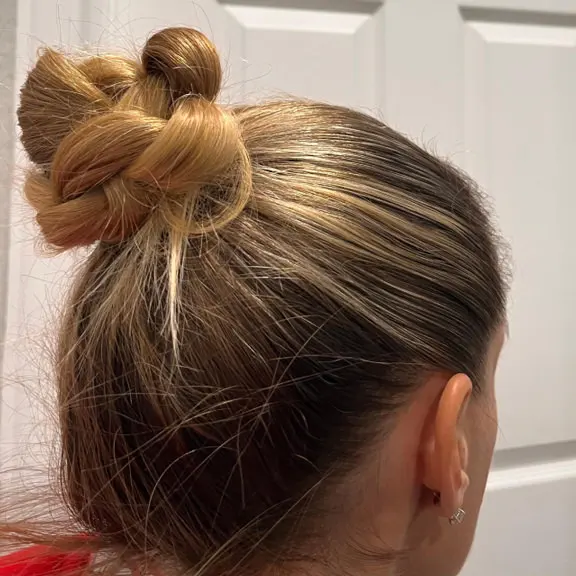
[{"x": 282, "y": 345}]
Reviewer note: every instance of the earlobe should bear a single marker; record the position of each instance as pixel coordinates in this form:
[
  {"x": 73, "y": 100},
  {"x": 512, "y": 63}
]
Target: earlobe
[{"x": 464, "y": 484}]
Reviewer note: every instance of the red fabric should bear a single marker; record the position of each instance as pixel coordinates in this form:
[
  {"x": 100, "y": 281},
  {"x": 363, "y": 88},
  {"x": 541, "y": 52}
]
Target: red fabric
[{"x": 43, "y": 561}]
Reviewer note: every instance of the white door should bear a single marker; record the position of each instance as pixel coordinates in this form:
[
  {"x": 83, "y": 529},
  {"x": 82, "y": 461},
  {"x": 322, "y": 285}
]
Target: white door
[{"x": 491, "y": 84}]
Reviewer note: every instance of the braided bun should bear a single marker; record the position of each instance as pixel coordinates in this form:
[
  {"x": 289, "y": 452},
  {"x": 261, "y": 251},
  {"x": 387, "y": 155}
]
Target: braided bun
[{"x": 115, "y": 140}]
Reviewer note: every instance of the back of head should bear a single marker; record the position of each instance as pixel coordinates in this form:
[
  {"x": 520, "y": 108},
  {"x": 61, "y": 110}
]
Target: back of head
[{"x": 265, "y": 286}]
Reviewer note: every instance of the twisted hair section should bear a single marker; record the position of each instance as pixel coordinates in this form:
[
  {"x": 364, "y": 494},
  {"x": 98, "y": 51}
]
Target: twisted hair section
[{"x": 116, "y": 141}]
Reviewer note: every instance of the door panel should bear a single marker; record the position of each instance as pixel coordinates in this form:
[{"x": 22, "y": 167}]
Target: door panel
[
  {"x": 489, "y": 83},
  {"x": 296, "y": 52},
  {"x": 520, "y": 143},
  {"x": 520, "y": 91}
]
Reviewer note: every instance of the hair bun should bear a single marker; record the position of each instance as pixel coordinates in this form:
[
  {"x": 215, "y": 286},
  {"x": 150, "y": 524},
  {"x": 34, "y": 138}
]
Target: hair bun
[
  {"x": 117, "y": 140},
  {"x": 186, "y": 60}
]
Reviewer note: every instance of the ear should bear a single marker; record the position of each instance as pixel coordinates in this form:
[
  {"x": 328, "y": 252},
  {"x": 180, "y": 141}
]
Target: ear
[{"x": 445, "y": 446}]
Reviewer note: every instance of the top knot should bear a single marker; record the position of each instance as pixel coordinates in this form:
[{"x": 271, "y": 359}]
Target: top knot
[
  {"x": 116, "y": 140},
  {"x": 186, "y": 60}
]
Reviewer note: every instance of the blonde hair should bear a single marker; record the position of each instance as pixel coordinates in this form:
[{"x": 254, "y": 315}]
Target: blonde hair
[{"x": 266, "y": 286}]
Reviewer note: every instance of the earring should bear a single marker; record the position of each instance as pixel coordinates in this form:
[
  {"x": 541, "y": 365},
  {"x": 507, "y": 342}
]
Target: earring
[{"x": 457, "y": 517}]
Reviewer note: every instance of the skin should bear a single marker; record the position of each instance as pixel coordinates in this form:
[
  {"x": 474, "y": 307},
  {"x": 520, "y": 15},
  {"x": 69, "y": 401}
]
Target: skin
[
  {"x": 442, "y": 443},
  {"x": 456, "y": 453}
]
